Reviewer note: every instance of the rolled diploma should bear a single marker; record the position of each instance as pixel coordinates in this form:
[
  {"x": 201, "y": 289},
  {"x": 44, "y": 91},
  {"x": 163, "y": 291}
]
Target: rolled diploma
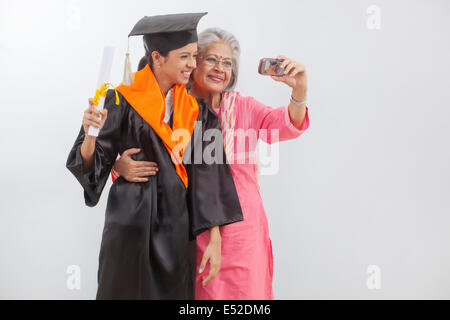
[{"x": 103, "y": 77}]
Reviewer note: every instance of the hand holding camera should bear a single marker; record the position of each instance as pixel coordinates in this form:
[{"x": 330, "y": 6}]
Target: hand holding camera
[{"x": 285, "y": 70}]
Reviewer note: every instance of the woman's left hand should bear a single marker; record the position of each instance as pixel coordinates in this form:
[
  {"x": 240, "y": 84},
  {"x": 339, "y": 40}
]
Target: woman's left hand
[
  {"x": 213, "y": 255},
  {"x": 295, "y": 74}
]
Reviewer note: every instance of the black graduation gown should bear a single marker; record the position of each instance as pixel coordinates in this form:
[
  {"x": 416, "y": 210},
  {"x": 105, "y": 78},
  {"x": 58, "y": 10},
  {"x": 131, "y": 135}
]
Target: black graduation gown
[{"x": 148, "y": 248}]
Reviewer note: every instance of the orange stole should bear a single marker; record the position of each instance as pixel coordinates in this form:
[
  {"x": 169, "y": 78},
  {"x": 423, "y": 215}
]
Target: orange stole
[{"x": 146, "y": 97}]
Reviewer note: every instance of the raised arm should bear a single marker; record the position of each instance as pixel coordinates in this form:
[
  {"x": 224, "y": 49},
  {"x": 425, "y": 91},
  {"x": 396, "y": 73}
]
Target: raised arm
[
  {"x": 92, "y": 117},
  {"x": 91, "y": 158}
]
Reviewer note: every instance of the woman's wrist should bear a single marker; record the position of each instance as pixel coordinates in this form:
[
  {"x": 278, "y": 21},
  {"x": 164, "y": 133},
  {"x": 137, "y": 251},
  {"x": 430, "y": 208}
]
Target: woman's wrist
[
  {"x": 299, "y": 94},
  {"x": 89, "y": 139},
  {"x": 87, "y": 153},
  {"x": 298, "y": 103},
  {"x": 214, "y": 235}
]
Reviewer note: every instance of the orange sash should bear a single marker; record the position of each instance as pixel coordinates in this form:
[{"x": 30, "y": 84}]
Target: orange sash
[{"x": 146, "y": 97}]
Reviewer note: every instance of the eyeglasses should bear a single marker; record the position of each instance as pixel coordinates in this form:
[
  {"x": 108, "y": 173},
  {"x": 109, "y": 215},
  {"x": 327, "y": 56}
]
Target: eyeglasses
[{"x": 212, "y": 62}]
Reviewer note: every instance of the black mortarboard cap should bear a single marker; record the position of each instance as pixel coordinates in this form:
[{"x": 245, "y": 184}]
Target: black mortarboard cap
[{"x": 176, "y": 30}]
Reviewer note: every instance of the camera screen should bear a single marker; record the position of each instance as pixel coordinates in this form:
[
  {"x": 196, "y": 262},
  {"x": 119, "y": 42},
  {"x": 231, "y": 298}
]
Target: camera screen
[{"x": 272, "y": 67}]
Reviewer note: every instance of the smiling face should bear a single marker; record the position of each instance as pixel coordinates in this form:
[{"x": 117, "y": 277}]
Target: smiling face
[
  {"x": 178, "y": 65},
  {"x": 213, "y": 73}
]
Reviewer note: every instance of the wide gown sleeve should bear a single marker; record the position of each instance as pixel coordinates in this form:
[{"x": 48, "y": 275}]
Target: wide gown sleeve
[
  {"x": 105, "y": 153},
  {"x": 212, "y": 197}
]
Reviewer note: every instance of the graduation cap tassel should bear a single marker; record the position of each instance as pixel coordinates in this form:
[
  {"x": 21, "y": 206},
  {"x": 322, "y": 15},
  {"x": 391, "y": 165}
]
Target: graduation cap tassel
[{"x": 128, "y": 73}]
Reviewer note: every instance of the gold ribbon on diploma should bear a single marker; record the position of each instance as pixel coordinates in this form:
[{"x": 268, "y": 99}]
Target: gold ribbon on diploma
[{"x": 102, "y": 93}]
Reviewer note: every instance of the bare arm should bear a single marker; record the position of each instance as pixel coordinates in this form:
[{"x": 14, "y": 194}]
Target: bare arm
[
  {"x": 87, "y": 152},
  {"x": 297, "y": 113},
  {"x": 91, "y": 118}
]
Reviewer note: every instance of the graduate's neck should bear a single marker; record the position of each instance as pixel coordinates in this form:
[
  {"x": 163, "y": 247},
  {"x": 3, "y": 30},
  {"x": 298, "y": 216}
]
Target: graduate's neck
[
  {"x": 164, "y": 83},
  {"x": 211, "y": 98}
]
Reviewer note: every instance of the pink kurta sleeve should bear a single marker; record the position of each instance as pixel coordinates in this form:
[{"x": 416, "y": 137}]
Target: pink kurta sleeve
[{"x": 265, "y": 119}]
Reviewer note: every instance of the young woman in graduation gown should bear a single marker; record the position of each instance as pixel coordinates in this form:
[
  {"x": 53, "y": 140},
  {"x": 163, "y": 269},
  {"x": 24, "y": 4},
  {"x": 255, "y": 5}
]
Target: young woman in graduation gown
[
  {"x": 148, "y": 248},
  {"x": 247, "y": 267}
]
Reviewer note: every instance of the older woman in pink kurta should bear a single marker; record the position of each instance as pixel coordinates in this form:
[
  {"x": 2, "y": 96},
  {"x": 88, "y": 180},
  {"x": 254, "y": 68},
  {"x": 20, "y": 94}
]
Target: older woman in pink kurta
[{"x": 247, "y": 262}]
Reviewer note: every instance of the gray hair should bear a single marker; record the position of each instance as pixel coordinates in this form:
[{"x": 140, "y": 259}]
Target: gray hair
[{"x": 211, "y": 35}]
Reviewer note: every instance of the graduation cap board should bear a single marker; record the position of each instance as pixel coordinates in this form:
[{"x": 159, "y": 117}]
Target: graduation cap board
[{"x": 170, "y": 23}]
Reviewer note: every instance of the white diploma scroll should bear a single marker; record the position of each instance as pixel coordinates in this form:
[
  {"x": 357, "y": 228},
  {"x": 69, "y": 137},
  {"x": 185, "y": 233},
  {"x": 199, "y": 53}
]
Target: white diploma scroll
[{"x": 103, "y": 77}]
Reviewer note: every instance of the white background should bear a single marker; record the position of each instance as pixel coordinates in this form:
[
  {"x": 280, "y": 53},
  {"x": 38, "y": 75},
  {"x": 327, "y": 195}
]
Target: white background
[{"x": 367, "y": 184}]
